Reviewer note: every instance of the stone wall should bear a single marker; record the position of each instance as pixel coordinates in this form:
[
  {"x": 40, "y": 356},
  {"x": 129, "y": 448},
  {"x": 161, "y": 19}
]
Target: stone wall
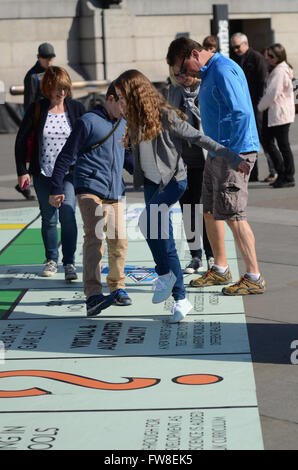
[{"x": 95, "y": 43}]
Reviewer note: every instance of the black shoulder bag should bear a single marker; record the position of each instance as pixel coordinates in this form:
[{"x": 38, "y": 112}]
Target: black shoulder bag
[{"x": 97, "y": 144}]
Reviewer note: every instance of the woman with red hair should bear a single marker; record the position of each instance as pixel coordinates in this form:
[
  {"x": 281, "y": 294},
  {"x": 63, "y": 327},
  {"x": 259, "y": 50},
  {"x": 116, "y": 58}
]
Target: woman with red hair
[{"x": 52, "y": 119}]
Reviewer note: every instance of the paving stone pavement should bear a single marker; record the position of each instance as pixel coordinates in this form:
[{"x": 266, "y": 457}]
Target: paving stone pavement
[{"x": 271, "y": 318}]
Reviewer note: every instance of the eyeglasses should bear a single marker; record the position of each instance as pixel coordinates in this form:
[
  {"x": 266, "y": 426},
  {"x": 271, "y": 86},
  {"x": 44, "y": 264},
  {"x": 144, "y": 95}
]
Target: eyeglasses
[
  {"x": 237, "y": 47},
  {"x": 271, "y": 56},
  {"x": 182, "y": 70}
]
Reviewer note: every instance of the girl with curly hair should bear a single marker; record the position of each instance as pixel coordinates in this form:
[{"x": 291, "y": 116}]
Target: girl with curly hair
[{"x": 154, "y": 129}]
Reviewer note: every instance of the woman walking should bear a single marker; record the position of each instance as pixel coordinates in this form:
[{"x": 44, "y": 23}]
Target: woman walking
[
  {"x": 279, "y": 112},
  {"x": 52, "y": 118},
  {"x": 152, "y": 128}
]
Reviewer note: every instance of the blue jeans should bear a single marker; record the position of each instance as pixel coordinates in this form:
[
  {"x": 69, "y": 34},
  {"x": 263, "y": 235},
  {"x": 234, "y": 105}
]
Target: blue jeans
[
  {"x": 163, "y": 248},
  {"x": 49, "y": 219}
]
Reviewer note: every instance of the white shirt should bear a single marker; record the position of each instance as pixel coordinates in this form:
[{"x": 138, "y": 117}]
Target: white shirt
[{"x": 55, "y": 133}]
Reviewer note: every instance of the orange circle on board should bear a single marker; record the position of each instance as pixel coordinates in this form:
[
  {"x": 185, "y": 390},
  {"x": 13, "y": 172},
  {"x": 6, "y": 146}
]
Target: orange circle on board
[{"x": 197, "y": 379}]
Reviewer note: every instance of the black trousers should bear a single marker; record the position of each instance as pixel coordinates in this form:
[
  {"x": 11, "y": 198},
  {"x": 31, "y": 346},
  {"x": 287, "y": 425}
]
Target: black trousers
[
  {"x": 192, "y": 196},
  {"x": 282, "y": 156}
]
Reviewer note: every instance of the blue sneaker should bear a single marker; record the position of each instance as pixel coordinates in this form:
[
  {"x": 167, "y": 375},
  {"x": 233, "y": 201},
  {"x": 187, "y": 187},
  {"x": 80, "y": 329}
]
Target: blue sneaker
[
  {"x": 121, "y": 297},
  {"x": 163, "y": 287},
  {"x": 96, "y": 303}
]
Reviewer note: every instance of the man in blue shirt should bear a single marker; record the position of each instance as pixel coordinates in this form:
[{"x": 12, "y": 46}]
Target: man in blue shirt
[{"x": 228, "y": 118}]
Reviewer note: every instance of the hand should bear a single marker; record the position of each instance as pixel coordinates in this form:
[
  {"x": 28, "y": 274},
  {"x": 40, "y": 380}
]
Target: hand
[
  {"x": 244, "y": 167},
  {"x": 56, "y": 200},
  {"x": 24, "y": 181}
]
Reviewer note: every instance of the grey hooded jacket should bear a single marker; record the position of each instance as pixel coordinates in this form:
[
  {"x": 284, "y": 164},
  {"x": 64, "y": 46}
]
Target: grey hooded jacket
[
  {"x": 183, "y": 98},
  {"x": 166, "y": 149}
]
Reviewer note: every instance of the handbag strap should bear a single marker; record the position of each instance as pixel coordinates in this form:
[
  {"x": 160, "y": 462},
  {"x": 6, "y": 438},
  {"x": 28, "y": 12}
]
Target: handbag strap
[{"x": 97, "y": 144}]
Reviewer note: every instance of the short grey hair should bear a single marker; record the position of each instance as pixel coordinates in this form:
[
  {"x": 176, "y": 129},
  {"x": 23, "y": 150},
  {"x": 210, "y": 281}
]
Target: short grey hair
[{"x": 242, "y": 36}]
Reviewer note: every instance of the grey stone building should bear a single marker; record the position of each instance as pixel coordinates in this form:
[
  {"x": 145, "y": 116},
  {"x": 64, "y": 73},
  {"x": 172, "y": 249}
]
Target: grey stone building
[{"x": 98, "y": 39}]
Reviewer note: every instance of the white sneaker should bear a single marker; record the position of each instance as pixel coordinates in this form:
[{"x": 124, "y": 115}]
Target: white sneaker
[
  {"x": 49, "y": 269},
  {"x": 194, "y": 266},
  {"x": 180, "y": 309},
  {"x": 162, "y": 287}
]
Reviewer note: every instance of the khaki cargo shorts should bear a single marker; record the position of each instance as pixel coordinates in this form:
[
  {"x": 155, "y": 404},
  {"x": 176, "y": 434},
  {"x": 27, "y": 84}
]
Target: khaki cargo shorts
[{"x": 225, "y": 191}]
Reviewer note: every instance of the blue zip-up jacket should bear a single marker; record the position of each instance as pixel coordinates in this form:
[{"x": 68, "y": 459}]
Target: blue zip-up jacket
[
  {"x": 98, "y": 171},
  {"x": 225, "y": 104}
]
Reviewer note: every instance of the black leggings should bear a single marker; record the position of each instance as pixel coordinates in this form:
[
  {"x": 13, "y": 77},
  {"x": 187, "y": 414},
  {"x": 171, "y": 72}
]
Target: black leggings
[
  {"x": 282, "y": 156},
  {"x": 192, "y": 196}
]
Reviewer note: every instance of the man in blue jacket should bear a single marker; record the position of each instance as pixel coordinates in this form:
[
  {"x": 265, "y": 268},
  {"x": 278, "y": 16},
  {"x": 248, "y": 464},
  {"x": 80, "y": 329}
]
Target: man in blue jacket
[
  {"x": 99, "y": 187},
  {"x": 228, "y": 118}
]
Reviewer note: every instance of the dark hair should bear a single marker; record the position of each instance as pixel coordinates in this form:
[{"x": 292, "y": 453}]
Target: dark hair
[
  {"x": 280, "y": 53},
  {"x": 210, "y": 41},
  {"x": 53, "y": 78},
  {"x": 112, "y": 91},
  {"x": 180, "y": 48}
]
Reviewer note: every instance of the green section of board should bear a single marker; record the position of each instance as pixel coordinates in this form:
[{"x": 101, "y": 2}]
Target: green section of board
[
  {"x": 28, "y": 248},
  {"x": 7, "y": 298}
]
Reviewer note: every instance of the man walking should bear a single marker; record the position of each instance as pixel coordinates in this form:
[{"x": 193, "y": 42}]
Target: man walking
[
  {"x": 255, "y": 69},
  {"x": 45, "y": 57},
  {"x": 228, "y": 118},
  {"x": 96, "y": 141}
]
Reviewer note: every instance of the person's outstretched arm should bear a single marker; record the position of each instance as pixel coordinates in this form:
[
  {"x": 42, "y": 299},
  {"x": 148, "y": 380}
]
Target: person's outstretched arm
[{"x": 183, "y": 130}]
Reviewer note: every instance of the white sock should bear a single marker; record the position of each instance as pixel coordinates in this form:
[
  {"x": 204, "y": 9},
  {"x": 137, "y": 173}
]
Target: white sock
[
  {"x": 220, "y": 269},
  {"x": 253, "y": 276}
]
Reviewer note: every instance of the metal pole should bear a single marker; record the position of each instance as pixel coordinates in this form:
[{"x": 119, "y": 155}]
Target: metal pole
[
  {"x": 220, "y": 27},
  {"x": 19, "y": 89},
  {"x": 103, "y": 45}
]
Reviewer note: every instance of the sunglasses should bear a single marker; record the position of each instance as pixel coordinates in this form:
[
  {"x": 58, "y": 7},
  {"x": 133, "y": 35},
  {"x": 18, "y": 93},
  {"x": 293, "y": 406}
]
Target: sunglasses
[
  {"x": 182, "y": 70},
  {"x": 271, "y": 56},
  {"x": 236, "y": 47}
]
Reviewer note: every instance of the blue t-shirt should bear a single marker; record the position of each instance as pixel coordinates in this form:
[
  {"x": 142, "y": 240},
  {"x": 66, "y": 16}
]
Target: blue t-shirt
[{"x": 225, "y": 104}]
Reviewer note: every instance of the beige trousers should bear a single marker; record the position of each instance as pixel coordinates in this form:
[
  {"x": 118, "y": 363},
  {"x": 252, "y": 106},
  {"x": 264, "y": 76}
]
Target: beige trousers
[{"x": 102, "y": 217}]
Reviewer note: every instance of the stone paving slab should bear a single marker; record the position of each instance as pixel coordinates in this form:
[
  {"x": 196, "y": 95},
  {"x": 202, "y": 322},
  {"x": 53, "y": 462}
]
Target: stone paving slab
[{"x": 189, "y": 385}]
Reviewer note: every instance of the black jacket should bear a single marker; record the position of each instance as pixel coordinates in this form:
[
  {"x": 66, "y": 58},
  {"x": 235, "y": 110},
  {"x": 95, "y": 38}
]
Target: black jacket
[
  {"x": 32, "y": 80},
  {"x": 75, "y": 110},
  {"x": 255, "y": 68}
]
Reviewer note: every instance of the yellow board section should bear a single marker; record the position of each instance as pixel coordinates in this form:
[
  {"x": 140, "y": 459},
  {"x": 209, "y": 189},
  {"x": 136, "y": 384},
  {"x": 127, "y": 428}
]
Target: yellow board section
[{"x": 11, "y": 226}]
